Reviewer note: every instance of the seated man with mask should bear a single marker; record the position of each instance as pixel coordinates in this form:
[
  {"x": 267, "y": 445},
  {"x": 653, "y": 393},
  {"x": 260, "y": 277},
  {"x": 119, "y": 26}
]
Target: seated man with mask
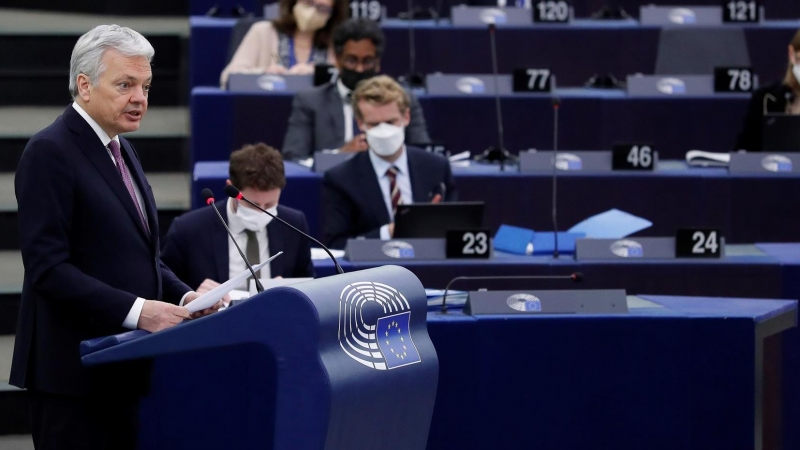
[
  {"x": 322, "y": 118},
  {"x": 360, "y": 195},
  {"x": 201, "y": 254}
]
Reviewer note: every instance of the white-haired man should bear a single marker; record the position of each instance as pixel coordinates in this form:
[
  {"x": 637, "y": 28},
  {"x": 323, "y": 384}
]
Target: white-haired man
[{"x": 89, "y": 240}]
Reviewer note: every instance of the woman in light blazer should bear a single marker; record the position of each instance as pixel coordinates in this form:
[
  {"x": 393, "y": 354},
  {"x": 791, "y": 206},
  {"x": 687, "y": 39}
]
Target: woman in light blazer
[{"x": 291, "y": 44}]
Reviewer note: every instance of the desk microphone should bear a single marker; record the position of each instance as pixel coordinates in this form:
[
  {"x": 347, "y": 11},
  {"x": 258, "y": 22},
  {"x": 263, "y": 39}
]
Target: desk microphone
[
  {"x": 209, "y": 198},
  {"x": 575, "y": 276},
  {"x": 232, "y": 192},
  {"x": 498, "y": 153},
  {"x": 556, "y": 105}
]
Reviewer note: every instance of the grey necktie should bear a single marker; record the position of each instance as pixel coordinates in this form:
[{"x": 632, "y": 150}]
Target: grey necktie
[{"x": 251, "y": 251}]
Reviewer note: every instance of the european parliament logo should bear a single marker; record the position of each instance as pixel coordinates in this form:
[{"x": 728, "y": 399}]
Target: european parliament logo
[
  {"x": 493, "y": 15},
  {"x": 271, "y": 83},
  {"x": 682, "y": 16},
  {"x": 777, "y": 163},
  {"x": 568, "y": 161},
  {"x": 398, "y": 249},
  {"x": 375, "y": 326},
  {"x": 470, "y": 85},
  {"x": 671, "y": 86},
  {"x": 524, "y": 302},
  {"x": 627, "y": 248}
]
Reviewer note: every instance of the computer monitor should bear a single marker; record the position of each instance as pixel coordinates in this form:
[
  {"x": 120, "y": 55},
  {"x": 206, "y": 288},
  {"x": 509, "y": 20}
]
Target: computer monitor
[
  {"x": 780, "y": 133},
  {"x": 434, "y": 220}
]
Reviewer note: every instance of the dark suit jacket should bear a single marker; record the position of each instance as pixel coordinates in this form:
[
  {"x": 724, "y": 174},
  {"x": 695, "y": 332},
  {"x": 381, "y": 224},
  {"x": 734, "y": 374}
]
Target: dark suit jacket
[
  {"x": 317, "y": 123},
  {"x": 196, "y": 246},
  {"x": 354, "y": 204},
  {"x": 751, "y": 135},
  {"x": 86, "y": 253}
]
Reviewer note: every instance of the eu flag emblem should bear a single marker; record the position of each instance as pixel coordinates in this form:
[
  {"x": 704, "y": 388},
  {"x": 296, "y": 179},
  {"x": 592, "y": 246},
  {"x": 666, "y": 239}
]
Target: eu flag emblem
[{"x": 394, "y": 340}]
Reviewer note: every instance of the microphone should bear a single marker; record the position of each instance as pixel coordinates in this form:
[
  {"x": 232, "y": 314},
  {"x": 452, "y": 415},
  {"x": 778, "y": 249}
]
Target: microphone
[
  {"x": 498, "y": 153},
  {"x": 232, "y": 192},
  {"x": 575, "y": 276},
  {"x": 556, "y": 105},
  {"x": 209, "y": 198}
]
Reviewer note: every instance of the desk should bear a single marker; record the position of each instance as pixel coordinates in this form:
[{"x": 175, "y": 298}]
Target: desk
[
  {"x": 760, "y": 271},
  {"x": 673, "y": 373},
  {"x": 750, "y": 208},
  {"x": 573, "y": 52},
  {"x": 589, "y": 119}
]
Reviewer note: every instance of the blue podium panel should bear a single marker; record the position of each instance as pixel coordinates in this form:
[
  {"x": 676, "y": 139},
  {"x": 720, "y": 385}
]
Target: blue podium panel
[
  {"x": 673, "y": 373},
  {"x": 618, "y": 47},
  {"x": 326, "y": 364},
  {"x": 589, "y": 120}
]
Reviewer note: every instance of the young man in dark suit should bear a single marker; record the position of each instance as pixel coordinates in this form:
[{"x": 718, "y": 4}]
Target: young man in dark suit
[
  {"x": 361, "y": 195},
  {"x": 323, "y": 119},
  {"x": 89, "y": 238},
  {"x": 257, "y": 171}
]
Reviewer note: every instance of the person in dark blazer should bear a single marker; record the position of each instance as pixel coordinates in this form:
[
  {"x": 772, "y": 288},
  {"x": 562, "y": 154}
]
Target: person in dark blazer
[
  {"x": 256, "y": 170},
  {"x": 361, "y": 195},
  {"x": 89, "y": 239},
  {"x": 322, "y": 118},
  {"x": 782, "y": 97}
]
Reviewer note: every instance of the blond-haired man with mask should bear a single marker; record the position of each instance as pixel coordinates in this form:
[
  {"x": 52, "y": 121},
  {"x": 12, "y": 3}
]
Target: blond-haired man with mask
[{"x": 361, "y": 195}]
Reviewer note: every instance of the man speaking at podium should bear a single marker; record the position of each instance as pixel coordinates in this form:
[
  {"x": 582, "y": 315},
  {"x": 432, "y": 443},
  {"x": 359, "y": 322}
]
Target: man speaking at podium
[
  {"x": 89, "y": 239},
  {"x": 361, "y": 194}
]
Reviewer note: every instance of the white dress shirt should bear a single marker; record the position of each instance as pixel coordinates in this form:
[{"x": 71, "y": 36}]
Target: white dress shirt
[
  {"x": 235, "y": 263},
  {"x": 402, "y": 179},
  {"x": 347, "y": 107},
  {"x": 132, "y": 319}
]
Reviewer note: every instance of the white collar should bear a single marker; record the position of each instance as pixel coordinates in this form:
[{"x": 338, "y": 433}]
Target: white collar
[
  {"x": 92, "y": 123},
  {"x": 380, "y": 165},
  {"x": 344, "y": 91}
]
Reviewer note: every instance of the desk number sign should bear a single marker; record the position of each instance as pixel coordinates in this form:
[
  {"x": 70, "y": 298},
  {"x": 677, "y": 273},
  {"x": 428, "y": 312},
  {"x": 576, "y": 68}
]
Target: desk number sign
[
  {"x": 698, "y": 243},
  {"x": 469, "y": 244},
  {"x": 366, "y": 9},
  {"x": 532, "y": 80},
  {"x": 741, "y": 11},
  {"x": 632, "y": 157},
  {"x": 549, "y": 11},
  {"x": 734, "y": 79}
]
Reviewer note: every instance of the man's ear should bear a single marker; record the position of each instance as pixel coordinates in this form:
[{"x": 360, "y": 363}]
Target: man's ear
[
  {"x": 407, "y": 117},
  {"x": 84, "y": 86}
]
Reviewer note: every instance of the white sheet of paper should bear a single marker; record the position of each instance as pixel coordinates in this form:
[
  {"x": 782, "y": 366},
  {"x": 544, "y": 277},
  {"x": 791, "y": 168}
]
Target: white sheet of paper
[{"x": 211, "y": 297}]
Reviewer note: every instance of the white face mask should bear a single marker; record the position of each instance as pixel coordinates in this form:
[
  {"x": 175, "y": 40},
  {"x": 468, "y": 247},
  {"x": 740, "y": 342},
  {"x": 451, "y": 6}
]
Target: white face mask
[
  {"x": 308, "y": 18},
  {"x": 796, "y": 70},
  {"x": 385, "y": 139},
  {"x": 255, "y": 220}
]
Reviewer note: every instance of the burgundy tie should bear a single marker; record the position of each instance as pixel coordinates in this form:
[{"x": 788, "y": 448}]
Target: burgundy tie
[
  {"x": 126, "y": 178},
  {"x": 394, "y": 192}
]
